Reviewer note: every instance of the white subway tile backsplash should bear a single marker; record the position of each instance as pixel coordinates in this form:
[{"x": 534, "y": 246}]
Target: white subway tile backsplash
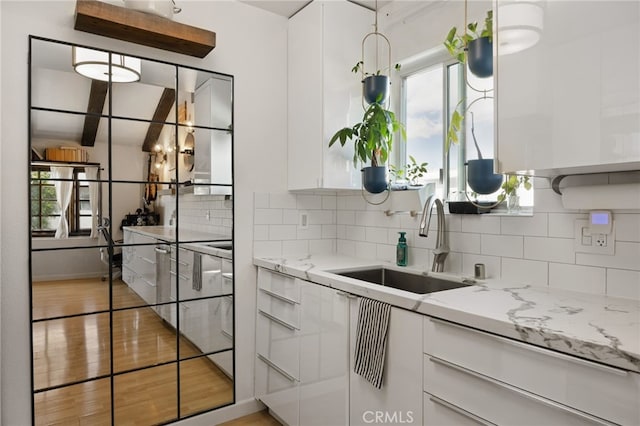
[
  {"x": 549, "y": 249},
  {"x": 585, "y": 279},
  {"x": 268, "y": 217},
  {"x": 282, "y": 232},
  {"x": 309, "y": 202},
  {"x": 491, "y": 265},
  {"x": 501, "y": 245},
  {"x": 283, "y": 200},
  {"x": 627, "y": 256},
  {"x": 521, "y": 271},
  {"x": 525, "y": 225},
  {"x": 621, "y": 283},
  {"x": 627, "y": 227},
  {"x": 298, "y": 248},
  {"x": 561, "y": 225},
  {"x": 535, "y": 250},
  {"x": 480, "y": 224},
  {"x": 464, "y": 242}
]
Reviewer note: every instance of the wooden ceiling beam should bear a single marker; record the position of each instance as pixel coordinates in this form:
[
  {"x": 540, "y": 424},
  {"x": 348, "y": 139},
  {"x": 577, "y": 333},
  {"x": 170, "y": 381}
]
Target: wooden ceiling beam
[
  {"x": 97, "y": 97},
  {"x": 121, "y": 23},
  {"x": 166, "y": 102}
]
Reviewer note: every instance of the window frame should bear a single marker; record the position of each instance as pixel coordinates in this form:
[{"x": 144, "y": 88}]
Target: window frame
[{"x": 73, "y": 214}]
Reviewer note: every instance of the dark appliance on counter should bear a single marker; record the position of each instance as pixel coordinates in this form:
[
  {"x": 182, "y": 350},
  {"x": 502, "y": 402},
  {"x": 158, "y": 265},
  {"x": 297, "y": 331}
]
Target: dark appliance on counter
[{"x": 141, "y": 218}]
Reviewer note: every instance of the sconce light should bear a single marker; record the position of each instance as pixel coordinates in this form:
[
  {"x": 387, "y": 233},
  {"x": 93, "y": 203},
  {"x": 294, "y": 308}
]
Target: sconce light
[
  {"x": 160, "y": 156},
  {"x": 521, "y": 24},
  {"x": 95, "y": 65}
]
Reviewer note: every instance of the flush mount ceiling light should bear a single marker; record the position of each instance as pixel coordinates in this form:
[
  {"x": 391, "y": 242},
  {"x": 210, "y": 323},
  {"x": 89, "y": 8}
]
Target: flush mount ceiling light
[
  {"x": 520, "y": 27},
  {"x": 95, "y": 65}
]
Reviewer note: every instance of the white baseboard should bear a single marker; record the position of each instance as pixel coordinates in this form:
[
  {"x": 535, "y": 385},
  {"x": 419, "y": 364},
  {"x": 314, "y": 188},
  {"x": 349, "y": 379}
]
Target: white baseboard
[{"x": 239, "y": 409}]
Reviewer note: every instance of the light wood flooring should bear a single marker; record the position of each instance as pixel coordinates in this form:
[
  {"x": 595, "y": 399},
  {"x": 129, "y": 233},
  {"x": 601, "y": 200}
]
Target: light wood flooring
[
  {"x": 261, "y": 418},
  {"x": 75, "y": 349}
]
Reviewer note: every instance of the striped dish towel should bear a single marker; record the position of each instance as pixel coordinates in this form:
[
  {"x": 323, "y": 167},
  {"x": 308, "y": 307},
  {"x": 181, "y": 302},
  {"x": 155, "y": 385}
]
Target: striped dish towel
[
  {"x": 196, "y": 278},
  {"x": 371, "y": 340}
]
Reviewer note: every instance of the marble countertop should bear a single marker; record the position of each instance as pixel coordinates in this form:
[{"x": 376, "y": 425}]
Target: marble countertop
[
  {"x": 203, "y": 242},
  {"x": 598, "y": 328}
]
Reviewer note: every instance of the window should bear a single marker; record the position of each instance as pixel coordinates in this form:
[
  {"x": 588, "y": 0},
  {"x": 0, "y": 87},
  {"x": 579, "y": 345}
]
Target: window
[
  {"x": 45, "y": 211},
  {"x": 430, "y": 86}
]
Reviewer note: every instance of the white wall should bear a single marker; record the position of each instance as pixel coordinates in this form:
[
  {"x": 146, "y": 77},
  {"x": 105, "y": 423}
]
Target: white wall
[{"x": 251, "y": 46}]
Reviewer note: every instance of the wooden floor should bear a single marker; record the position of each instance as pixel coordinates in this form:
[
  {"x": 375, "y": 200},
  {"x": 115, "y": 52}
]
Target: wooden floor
[
  {"x": 261, "y": 418},
  {"x": 75, "y": 349}
]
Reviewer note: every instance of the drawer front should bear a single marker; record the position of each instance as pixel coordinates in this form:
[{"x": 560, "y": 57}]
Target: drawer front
[
  {"x": 494, "y": 401},
  {"x": 145, "y": 289},
  {"x": 568, "y": 380},
  {"x": 182, "y": 260},
  {"x": 285, "y": 311},
  {"x": 278, "y": 284},
  {"x": 438, "y": 412},
  {"x": 277, "y": 392},
  {"x": 279, "y": 344}
]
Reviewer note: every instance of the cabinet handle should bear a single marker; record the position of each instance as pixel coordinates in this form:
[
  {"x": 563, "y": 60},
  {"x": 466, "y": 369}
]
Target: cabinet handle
[
  {"x": 533, "y": 397},
  {"x": 161, "y": 250},
  {"x": 459, "y": 410},
  {"x": 279, "y": 297},
  {"x": 278, "y": 320},
  {"x": 153, "y": 262},
  {"x": 543, "y": 351},
  {"x": 227, "y": 275},
  {"x": 347, "y": 295},
  {"x": 182, "y": 277},
  {"x": 275, "y": 367}
]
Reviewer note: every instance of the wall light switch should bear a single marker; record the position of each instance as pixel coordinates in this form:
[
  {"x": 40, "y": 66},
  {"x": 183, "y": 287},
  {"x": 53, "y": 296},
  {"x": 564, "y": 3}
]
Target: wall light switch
[
  {"x": 587, "y": 241},
  {"x": 303, "y": 220}
]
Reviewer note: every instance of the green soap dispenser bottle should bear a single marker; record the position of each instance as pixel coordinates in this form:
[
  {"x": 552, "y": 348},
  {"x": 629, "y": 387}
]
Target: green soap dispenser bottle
[{"x": 401, "y": 250}]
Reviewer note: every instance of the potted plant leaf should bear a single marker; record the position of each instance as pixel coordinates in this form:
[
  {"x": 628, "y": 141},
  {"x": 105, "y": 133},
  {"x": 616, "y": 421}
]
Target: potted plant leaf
[
  {"x": 510, "y": 188},
  {"x": 474, "y": 47},
  {"x": 373, "y": 140},
  {"x": 375, "y": 87}
]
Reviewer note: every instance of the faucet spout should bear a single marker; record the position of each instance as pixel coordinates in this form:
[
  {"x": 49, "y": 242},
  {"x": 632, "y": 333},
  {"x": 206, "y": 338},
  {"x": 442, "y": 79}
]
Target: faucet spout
[{"x": 441, "y": 249}]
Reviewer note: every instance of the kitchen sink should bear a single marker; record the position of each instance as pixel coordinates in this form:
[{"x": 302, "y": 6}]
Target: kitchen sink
[
  {"x": 414, "y": 283},
  {"x": 221, "y": 246}
]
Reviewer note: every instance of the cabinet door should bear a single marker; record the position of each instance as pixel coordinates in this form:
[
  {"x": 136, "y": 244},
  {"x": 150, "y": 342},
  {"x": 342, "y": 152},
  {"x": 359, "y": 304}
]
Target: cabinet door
[
  {"x": 324, "y": 378},
  {"x": 401, "y": 395},
  {"x": 569, "y": 102},
  {"x": 324, "y": 43}
]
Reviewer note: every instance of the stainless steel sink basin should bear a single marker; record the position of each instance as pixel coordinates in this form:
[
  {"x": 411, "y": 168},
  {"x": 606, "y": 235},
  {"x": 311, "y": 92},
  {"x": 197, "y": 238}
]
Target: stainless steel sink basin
[
  {"x": 221, "y": 246},
  {"x": 420, "y": 284}
]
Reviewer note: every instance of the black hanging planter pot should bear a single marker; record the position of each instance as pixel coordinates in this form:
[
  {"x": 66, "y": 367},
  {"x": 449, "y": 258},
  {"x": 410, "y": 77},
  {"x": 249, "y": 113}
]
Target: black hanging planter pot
[
  {"x": 375, "y": 88},
  {"x": 374, "y": 179},
  {"x": 481, "y": 178},
  {"x": 480, "y": 57}
]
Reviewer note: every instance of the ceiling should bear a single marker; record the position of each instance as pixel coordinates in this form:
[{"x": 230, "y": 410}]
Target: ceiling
[{"x": 288, "y": 8}]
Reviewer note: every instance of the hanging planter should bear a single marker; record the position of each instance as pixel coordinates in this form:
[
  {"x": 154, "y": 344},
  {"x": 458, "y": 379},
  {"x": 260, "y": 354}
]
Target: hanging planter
[
  {"x": 375, "y": 179},
  {"x": 480, "y": 57},
  {"x": 481, "y": 178},
  {"x": 473, "y": 47},
  {"x": 375, "y": 88}
]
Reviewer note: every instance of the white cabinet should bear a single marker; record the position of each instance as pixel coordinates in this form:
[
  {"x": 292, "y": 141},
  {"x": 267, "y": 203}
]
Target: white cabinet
[
  {"x": 482, "y": 376},
  {"x": 400, "y": 399},
  {"x": 139, "y": 265},
  {"x": 324, "y": 43},
  {"x": 571, "y": 102}
]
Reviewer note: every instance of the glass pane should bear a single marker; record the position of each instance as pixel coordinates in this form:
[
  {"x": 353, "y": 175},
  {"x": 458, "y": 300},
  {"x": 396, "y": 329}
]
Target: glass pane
[
  {"x": 424, "y": 125},
  {"x": 70, "y": 349},
  {"x": 84, "y": 403},
  {"x": 85, "y": 222},
  {"x": 204, "y": 384},
  {"x": 146, "y": 397},
  {"x": 210, "y": 215},
  {"x": 212, "y": 98},
  {"x": 141, "y": 339},
  {"x": 83, "y": 192},
  {"x": 201, "y": 322}
]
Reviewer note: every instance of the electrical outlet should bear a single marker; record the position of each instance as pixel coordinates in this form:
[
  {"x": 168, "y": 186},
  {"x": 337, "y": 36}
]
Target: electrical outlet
[
  {"x": 303, "y": 220},
  {"x": 585, "y": 242}
]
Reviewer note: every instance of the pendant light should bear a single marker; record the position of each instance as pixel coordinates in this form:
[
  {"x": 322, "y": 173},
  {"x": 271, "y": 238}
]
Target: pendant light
[{"x": 95, "y": 65}]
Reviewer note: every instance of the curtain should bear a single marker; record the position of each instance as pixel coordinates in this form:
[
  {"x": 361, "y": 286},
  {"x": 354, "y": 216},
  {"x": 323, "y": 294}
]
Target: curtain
[
  {"x": 94, "y": 188},
  {"x": 63, "y": 195}
]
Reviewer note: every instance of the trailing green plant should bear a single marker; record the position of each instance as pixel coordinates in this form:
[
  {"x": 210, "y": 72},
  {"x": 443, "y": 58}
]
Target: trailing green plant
[
  {"x": 456, "y": 43},
  {"x": 360, "y": 65},
  {"x": 373, "y": 136},
  {"x": 511, "y": 184}
]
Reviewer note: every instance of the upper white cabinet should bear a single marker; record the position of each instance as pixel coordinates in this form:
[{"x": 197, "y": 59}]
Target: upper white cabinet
[
  {"x": 571, "y": 102},
  {"x": 324, "y": 43}
]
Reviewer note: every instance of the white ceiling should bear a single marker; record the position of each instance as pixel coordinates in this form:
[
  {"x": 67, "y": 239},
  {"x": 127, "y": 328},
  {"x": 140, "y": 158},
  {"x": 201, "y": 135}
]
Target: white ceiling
[{"x": 288, "y": 8}]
